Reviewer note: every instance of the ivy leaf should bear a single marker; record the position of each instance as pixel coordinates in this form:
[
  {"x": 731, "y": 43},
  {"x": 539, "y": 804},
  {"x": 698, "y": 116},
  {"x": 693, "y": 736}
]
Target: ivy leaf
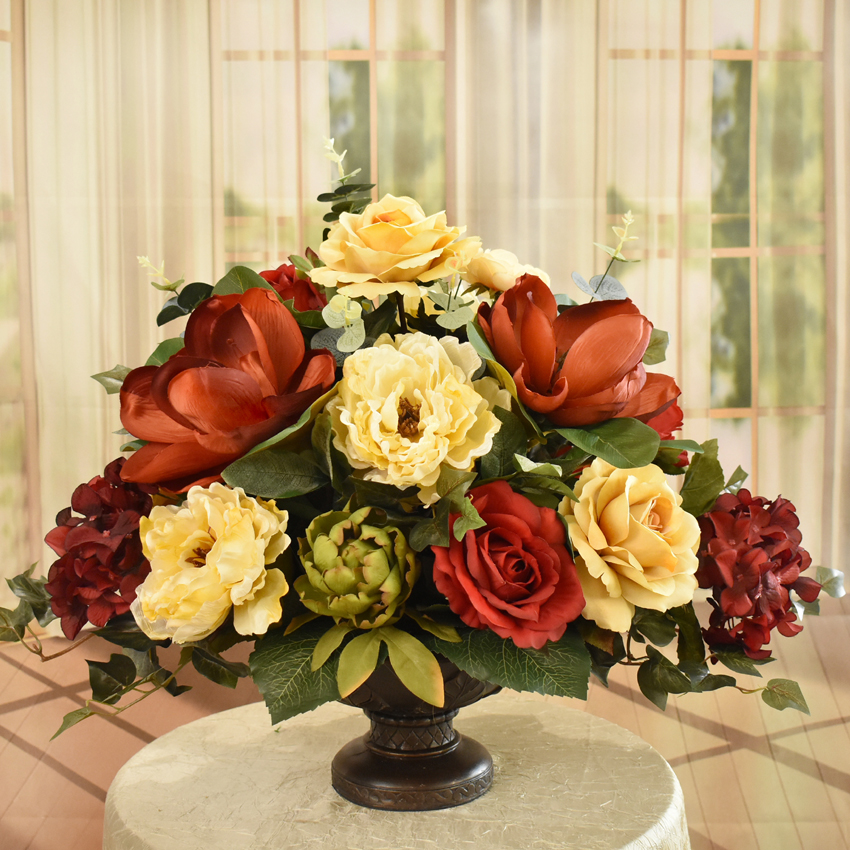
[
  {"x": 240, "y": 279},
  {"x": 832, "y": 581},
  {"x": 736, "y": 479},
  {"x": 164, "y": 350},
  {"x": 690, "y": 645},
  {"x": 13, "y": 622},
  {"x": 280, "y": 667},
  {"x": 72, "y": 718},
  {"x": 112, "y": 381},
  {"x": 561, "y": 668},
  {"x": 123, "y": 632},
  {"x": 32, "y": 591},
  {"x": 711, "y": 682},
  {"x": 659, "y": 677},
  {"x": 624, "y": 443},
  {"x": 655, "y": 626},
  {"x": 109, "y": 679},
  {"x": 739, "y": 662},
  {"x": 704, "y": 481},
  {"x": 275, "y": 474},
  {"x": 218, "y": 669},
  {"x": 656, "y": 351},
  {"x": 468, "y": 520},
  {"x": 784, "y": 693}
]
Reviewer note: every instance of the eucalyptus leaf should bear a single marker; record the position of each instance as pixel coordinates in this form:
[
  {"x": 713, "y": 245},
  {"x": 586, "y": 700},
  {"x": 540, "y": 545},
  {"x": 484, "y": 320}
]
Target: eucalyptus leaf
[
  {"x": 832, "y": 581},
  {"x": 479, "y": 342},
  {"x": 352, "y": 337},
  {"x": 456, "y": 318},
  {"x": 607, "y": 288}
]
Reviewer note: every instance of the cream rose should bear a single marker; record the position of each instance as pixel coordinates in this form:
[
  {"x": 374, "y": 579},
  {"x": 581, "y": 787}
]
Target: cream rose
[
  {"x": 408, "y": 406},
  {"x": 207, "y": 556},
  {"x": 635, "y": 546},
  {"x": 391, "y": 244},
  {"x": 498, "y": 270}
]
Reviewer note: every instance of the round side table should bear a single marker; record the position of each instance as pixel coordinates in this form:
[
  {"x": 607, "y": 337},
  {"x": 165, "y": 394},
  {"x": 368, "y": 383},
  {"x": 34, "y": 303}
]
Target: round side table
[{"x": 231, "y": 781}]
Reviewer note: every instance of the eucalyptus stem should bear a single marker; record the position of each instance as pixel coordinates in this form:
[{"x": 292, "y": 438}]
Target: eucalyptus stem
[{"x": 402, "y": 318}]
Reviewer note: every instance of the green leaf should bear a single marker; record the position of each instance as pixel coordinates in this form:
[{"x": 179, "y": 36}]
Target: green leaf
[
  {"x": 624, "y": 443},
  {"x": 108, "y": 679},
  {"x": 690, "y": 646},
  {"x": 524, "y": 464},
  {"x": 352, "y": 337},
  {"x": 658, "y": 677},
  {"x": 736, "y": 479},
  {"x": 656, "y": 351},
  {"x": 123, "y": 632},
  {"x": 72, "y": 718},
  {"x": 164, "y": 350},
  {"x": 479, "y": 342},
  {"x": 456, "y": 318},
  {"x": 379, "y": 495},
  {"x": 712, "y": 682},
  {"x": 146, "y": 662},
  {"x": 357, "y": 661},
  {"x": 240, "y": 279},
  {"x": 784, "y": 693},
  {"x": 439, "y": 630},
  {"x": 275, "y": 474},
  {"x": 468, "y": 520},
  {"x": 509, "y": 440},
  {"x": 13, "y": 623},
  {"x": 32, "y": 591},
  {"x": 218, "y": 669},
  {"x": 655, "y": 626},
  {"x": 112, "y": 380},
  {"x": 832, "y": 581},
  {"x": 280, "y": 667},
  {"x": 432, "y": 531},
  {"x": 650, "y": 687},
  {"x": 562, "y": 668},
  {"x": 703, "y": 481},
  {"x": 682, "y": 445},
  {"x": 183, "y": 304},
  {"x": 415, "y": 665},
  {"x": 329, "y": 643},
  {"x": 738, "y": 661},
  {"x": 297, "y": 427},
  {"x": 302, "y": 264}
]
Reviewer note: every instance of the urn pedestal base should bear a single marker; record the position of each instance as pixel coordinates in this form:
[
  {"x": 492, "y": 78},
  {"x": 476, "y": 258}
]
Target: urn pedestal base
[{"x": 412, "y": 764}]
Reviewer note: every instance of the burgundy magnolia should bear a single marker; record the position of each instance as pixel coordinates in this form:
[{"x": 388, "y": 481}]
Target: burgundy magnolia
[
  {"x": 244, "y": 375},
  {"x": 288, "y": 285},
  {"x": 101, "y": 562},
  {"x": 750, "y": 557},
  {"x": 580, "y": 367},
  {"x": 514, "y": 575}
]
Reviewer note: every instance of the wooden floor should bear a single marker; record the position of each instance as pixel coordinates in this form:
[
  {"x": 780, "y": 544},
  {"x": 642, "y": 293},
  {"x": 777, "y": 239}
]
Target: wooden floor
[{"x": 753, "y": 778}]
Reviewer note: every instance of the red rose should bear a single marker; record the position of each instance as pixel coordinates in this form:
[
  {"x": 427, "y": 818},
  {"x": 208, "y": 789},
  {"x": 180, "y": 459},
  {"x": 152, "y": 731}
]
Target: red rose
[
  {"x": 243, "y": 376},
  {"x": 665, "y": 423},
  {"x": 101, "y": 562},
  {"x": 514, "y": 575},
  {"x": 580, "y": 367},
  {"x": 288, "y": 285},
  {"x": 750, "y": 557}
]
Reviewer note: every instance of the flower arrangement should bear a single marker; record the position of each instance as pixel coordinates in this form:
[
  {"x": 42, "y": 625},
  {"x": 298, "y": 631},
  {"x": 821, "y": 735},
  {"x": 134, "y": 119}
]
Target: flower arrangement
[{"x": 403, "y": 447}]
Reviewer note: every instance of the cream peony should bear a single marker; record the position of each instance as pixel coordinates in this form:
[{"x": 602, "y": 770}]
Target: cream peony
[
  {"x": 635, "y": 546},
  {"x": 207, "y": 556},
  {"x": 498, "y": 270},
  {"x": 391, "y": 244},
  {"x": 408, "y": 406}
]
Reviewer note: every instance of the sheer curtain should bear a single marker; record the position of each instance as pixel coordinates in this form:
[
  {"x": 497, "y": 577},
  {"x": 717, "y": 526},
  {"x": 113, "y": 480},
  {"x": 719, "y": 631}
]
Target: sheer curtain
[{"x": 189, "y": 131}]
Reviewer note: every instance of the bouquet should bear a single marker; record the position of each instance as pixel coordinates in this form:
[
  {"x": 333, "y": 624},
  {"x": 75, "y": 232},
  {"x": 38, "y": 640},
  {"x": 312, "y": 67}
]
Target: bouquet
[{"x": 405, "y": 447}]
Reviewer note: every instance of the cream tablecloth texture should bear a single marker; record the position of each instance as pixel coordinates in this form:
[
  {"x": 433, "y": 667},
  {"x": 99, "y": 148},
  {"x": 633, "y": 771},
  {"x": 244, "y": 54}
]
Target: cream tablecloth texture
[{"x": 231, "y": 781}]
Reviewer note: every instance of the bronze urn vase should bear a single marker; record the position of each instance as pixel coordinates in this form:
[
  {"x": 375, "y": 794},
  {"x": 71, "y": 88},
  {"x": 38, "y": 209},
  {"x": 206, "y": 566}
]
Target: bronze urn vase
[{"x": 412, "y": 758}]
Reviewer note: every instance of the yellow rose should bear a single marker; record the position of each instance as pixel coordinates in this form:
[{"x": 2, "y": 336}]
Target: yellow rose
[
  {"x": 498, "y": 270},
  {"x": 408, "y": 406},
  {"x": 635, "y": 545},
  {"x": 207, "y": 556},
  {"x": 387, "y": 247}
]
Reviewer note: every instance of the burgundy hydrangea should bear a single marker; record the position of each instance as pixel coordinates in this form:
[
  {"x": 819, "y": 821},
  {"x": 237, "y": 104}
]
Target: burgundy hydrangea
[
  {"x": 100, "y": 553},
  {"x": 750, "y": 557},
  {"x": 288, "y": 285}
]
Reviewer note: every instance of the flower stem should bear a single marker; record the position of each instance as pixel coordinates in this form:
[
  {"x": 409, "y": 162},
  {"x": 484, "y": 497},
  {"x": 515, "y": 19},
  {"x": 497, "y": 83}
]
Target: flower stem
[
  {"x": 74, "y": 645},
  {"x": 402, "y": 318}
]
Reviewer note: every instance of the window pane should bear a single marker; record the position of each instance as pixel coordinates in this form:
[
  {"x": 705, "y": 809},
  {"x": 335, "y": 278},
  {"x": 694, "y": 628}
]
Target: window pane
[
  {"x": 732, "y": 24},
  {"x": 791, "y": 24},
  {"x": 730, "y": 140},
  {"x": 410, "y": 24},
  {"x": 347, "y": 23},
  {"x": 348, "y": 92},
  {"x": 735, "y": 444},
  {"x": 731, "y": 380},
  {"x": 790, "y": 153},
  {"x": 792, "y": 330},
  {"x": 411, "y": 130}
]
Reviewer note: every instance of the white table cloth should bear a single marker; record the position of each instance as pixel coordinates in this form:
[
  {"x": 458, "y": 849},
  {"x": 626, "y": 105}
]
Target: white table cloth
[{"x": 231, "y": 781}]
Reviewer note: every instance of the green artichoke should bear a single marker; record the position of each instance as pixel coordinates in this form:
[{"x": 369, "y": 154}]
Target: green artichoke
[{"x": 356, "y": 572}]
